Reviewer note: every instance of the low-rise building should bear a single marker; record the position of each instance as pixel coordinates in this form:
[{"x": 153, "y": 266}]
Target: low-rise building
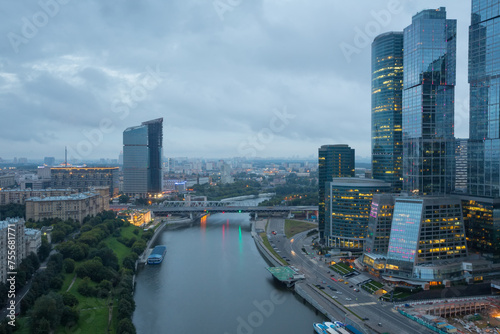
[
  {"x": 136, "y": 217},
  {"x": 75, "y": 206},
  {"x": 18, "y": 196},
  {"x": 7, "y": 180},
  {"x": 33, "y": 239}
]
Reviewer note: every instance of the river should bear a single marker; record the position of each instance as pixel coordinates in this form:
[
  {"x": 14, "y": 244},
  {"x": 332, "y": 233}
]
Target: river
[{"x": 214, "y": 280}]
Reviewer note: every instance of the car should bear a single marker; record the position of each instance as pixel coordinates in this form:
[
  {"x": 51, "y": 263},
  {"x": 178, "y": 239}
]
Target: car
[
  {"x": 334, "y": 297},
  {"x": 347, "y": 298},
  {"x": 332, "y": 275},
  {"x": 380, "y": 324},
  {"x": 341, "y": 280},
  {"x": 339, "y": 292},
  {"x": 346, "y": 282},
  {"x": 333, "y": 279},
  {"x": 324, "y": 282},
  {"x": 321, "y": 287},
  {"x": 273, "y": 232},
  {"x": 366, "y": 319},
  {"x": 356, "y": 289},
  {"x": 351, "y": 286},
  {"x": 328, "y": 271},
  {"x": 333, "y": 289}
]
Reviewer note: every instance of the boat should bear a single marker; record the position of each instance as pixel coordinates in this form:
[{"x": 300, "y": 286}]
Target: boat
[
  {"x": 338, "y": 324},
  {"x": 331, "y": 328},
  {"x": 320, "y": 328},
  {"x": 156, "y": 256}
]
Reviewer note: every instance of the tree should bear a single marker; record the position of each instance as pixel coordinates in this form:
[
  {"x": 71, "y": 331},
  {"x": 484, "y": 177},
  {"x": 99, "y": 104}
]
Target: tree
[
  {"x": 69, "y": 316},
  {"x": 125, "y": 326},
  {"x": 123, "y": 199},
  {"x": 69, "y": 299},
  {"x": 44, "y": 249},
  {"x": 139, "y": 246},
  {"x": 57, "y": 236},
  {"x": 69, "y": 265},
  {"x": 49, "y": 308}
]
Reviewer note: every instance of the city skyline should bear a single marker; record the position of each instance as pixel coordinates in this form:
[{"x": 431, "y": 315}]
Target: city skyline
[{"x": 250, "y": 81}]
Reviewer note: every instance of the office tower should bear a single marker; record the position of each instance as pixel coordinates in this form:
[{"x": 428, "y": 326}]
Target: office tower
[
  {"x": 387, "y": 94},
  {"x": 427, "y": 239},
  {"x": 484, "y": 80},
  {"x": 142, "y": 158},
  {"x": 348, "y": 203},
  {"x": 428, "y": 103},
  {"x": 461, "y": 165},
  {"x": 482, "y": 207},
  {"x": 379, "y": 224},
  {"x": 333, "y": 161}
]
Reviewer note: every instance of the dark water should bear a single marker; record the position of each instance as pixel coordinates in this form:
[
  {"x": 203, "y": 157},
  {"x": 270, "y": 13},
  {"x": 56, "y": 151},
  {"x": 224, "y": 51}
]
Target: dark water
[{"x": 214, "y": 280}]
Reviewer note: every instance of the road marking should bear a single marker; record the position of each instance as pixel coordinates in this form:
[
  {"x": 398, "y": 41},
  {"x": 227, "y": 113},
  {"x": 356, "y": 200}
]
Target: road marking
[{"x": 360, "y": 304}]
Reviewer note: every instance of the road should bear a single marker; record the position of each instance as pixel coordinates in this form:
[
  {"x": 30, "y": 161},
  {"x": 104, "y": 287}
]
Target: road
[{"x": 316, "y": 271}]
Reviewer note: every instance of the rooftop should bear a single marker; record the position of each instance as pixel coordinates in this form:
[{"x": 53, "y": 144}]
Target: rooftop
[{"x": 74, "y": 197}]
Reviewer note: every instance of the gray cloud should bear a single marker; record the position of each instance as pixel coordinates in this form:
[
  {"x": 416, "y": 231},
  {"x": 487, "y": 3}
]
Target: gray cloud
[{"x": 220, "y": 81}]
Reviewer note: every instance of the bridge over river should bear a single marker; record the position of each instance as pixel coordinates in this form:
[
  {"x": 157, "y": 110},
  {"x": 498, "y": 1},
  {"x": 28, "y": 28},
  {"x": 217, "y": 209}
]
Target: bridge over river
[{"x": 190, "y": 207}]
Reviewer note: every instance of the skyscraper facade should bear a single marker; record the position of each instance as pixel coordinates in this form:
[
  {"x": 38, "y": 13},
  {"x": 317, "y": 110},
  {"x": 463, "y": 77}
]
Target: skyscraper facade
[
  {"x": 482, "y": 208},
  {"x": 333, "y": 161},
  {"x": 348, "y": 203},
  {"x": 428, "y": 103},
  {"x": 387, "y": 93},
  {"x": 142, "y": 158},
  {"x": 484, "y": 80}
]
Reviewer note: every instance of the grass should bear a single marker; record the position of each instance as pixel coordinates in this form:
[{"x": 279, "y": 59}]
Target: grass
[
  {"x": 292, "y": 227},
  {"x": 263, "y": 235},
  {"x": 342, "y": 268},
  {"x": 372, "y": 286},
  {"x": 120, "y": 249}
]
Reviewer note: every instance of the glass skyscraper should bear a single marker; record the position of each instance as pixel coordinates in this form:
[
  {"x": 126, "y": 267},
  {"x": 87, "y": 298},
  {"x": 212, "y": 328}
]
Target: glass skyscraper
[
  {"x": 142, "y": 158},
  {"x": 348, "y": 204},
  {"x": 333, "y": 161},
  {"x": 387, "y": 92},
  {"x": 427, "y": 239},
  {"x": 484, "y": 80},
  {"x": 428, "y": 103}
]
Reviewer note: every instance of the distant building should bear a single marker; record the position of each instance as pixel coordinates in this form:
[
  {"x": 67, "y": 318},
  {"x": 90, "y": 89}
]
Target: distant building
[
  {"x": 387, "y": 94},
  {"x": 348, "y": 203},
  {"x": 142, "y": 159},
  {"x": 16, "y": 196},
  {"x": 83, "y": 178},
  {"x": 49, "y": 161},
  {"x": 226, "y": 174},
  {"x": 7, "y": 180},
  {"x": 76, "y": 206},
  {"x": 333, "y": 161}
]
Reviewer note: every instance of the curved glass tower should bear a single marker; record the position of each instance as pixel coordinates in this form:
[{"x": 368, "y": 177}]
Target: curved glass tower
[{"x": 387, "y": 92}]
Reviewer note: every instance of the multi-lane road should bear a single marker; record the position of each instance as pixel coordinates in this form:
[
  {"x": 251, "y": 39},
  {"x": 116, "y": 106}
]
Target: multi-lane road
[{"x": 380, "y": 316}]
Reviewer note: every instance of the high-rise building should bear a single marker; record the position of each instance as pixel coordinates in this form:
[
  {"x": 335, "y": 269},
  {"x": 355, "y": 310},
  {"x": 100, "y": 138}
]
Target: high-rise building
[
  {"x": 333, "y": 161},
  {"x": 142, "y": 158},
  {"x": 387, "y": 94},
  {"x": 484, "y": 80},
  {"x": 461, "y": 165},
  {"x": 427, "y": 239},
  {"x": 348, "y": 203},
  {"x": 428, "y": 103},
  {"x": 379, "y": 224}
]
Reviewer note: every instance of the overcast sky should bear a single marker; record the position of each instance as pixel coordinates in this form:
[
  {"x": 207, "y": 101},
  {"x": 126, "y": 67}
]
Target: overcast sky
[{"x": 267, "y": 78}]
